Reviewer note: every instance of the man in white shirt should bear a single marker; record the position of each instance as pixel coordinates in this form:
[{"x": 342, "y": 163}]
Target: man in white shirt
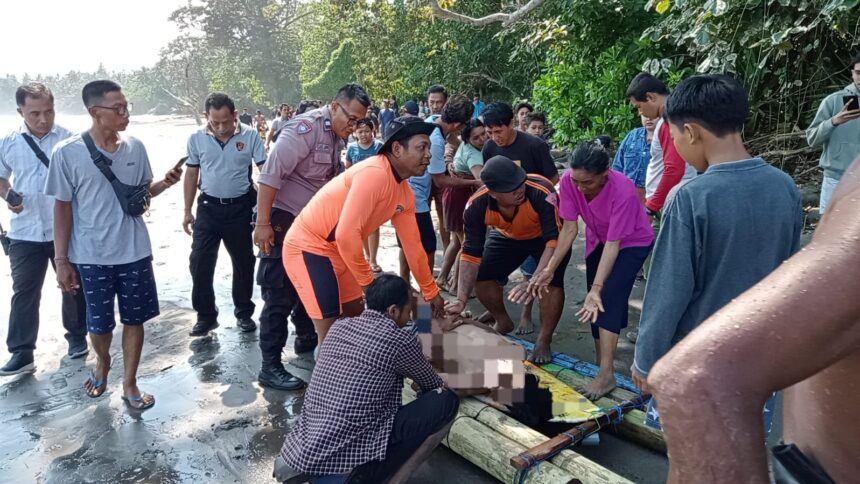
[{"x": 24, "y": 159}]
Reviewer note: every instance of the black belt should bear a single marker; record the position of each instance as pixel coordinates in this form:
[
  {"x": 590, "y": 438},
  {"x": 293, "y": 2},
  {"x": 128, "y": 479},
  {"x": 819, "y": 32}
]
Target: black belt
[{"x": 225, "y": 201}]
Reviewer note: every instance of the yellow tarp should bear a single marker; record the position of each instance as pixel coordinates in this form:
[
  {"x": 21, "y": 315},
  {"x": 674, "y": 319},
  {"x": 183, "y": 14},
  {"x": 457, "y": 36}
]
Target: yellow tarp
[{"x": 568, "y": 405}]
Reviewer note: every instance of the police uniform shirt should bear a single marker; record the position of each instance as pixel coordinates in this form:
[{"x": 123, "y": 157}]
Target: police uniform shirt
[
  {"x": 225, "y": 168},
  {"x": 36, "y": 222},
  {"x": 305, "y": 157}
]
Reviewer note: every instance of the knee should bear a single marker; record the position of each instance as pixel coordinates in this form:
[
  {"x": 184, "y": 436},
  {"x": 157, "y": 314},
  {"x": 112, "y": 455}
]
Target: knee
[{"x": 449, "y": 403}]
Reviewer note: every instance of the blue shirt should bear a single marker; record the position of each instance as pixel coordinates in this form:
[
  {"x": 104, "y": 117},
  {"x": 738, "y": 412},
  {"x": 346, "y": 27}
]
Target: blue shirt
[
  {"x": 723, "y": 232},
  {"x": 422, "y": 185},
  {"x": 355, "y": 153},
  {"x": 633, "y": 156},
  {"x": 385, "y": 117},
  {"x": 479, "y": 108},
  {"x": 225, "y": 168}
]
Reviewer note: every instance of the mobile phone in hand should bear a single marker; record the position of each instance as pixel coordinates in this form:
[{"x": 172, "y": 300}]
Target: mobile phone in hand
[
  {"x": 851, "y": 102},
  {"x": 423, "y": 317},
  {"x": 180, "y": 162},
  {"x": 14, "y": 198}
]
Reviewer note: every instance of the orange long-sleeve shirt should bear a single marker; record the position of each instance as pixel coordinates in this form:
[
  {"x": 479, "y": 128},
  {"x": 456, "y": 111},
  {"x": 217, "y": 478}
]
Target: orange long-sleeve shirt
[{"x": 352, "y": 206}]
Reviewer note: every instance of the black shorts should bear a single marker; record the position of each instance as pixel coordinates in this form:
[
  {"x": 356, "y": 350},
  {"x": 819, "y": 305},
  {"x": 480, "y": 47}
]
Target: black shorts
[
  {"x": 502, "y": 256},
  {"x": 616, "y": 287},
  {"x": 428, "y": 233}
]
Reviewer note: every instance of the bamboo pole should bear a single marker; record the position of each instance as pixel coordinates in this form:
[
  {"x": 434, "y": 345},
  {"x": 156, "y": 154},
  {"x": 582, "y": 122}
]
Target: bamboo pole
[
  {"x": 490, "y": 449},
  {"x": 632, "y": 426}
]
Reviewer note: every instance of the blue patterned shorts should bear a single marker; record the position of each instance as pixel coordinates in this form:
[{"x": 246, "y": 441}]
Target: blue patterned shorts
[{"x": 133, "y": 284}]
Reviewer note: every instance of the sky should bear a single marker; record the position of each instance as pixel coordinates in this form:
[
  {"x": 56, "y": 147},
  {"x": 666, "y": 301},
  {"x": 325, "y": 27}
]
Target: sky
[{"x": 56, "y": 36}]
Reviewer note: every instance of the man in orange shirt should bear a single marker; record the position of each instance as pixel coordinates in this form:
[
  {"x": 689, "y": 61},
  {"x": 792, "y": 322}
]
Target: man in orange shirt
[{"x": 323, "y": 249}]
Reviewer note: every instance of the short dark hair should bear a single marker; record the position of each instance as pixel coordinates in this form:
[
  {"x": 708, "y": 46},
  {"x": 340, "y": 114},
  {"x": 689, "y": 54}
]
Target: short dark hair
[
  {"x": 352, "y": 92},
  {"x": 458, "y": 109},
  {"x": 644, "y": 83},
  {"x": 35, "y": 90},
  {"x": 605, "y": 141},
  {"x": 386, "y": 290},
  {"x": 94, "y": 91},
  {"x": 364, "y": 122},
  {"x": 718, "y": 103},
  {"x": 466, "y": 132},
  {"x": 306, "y": 106},
  {"x": 497, "y": 114},
  {"x": 855, "y": 59},
  {"x": 437, "y": 88},
  {"x": 536, "y": 116},
  {"x": 590, "y": 157},
  {"x": 524, "y": 105},
  {"x": 219, "y": 100}
]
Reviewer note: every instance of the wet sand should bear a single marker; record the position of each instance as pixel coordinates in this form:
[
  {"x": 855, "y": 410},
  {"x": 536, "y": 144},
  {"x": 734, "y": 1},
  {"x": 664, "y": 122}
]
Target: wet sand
[{"x": 212, "y": 422}]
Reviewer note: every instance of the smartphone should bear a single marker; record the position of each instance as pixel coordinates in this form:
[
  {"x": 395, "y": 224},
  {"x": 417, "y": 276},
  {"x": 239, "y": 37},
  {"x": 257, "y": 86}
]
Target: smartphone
[
  {"x": 423, "y": 317},
  {"x": 14, "y": 198},
  {"x": 851, "y": 102},
  {"x": 180, "y": 163}
]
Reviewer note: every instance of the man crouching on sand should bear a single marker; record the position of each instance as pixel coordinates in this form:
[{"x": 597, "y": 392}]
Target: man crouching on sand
[
  {"x": 791, "y": 331},
  {"x": 352, "y": 427}
]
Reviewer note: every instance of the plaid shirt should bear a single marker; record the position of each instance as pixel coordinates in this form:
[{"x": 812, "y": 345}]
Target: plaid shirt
[{"x": 354, "y": 394}]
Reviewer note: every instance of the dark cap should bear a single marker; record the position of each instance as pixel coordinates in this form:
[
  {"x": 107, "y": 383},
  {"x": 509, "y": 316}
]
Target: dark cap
[
  {"x": 411, "y": 107},
  {"x": 405, "y": 127},
  {"x": 501, "y": 175}
]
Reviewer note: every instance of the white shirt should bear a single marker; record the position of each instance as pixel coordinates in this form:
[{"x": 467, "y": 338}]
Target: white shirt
[
  {"x": 655, "y": 167},
  {"x": 36, "y": 222}
]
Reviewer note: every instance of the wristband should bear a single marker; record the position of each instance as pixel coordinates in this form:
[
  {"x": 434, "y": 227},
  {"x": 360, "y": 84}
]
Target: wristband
[
  {"x": 61, "y": 258},
  {"x": 262, "y": 225}
]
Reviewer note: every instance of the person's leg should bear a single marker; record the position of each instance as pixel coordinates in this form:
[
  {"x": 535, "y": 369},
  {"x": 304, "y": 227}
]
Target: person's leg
[
  {"x": 240, "y": 245},
  {"x": 551, "y": 306},
  {"x": 204, "y": 255},
  {"x": 98, "y": 283},
  {"x": 29, "y": 264},
  {"x": 404, "y": 266},
  {"x": 604, "y": 382},
  {"x": 525, "y": 326},
  {"x": 828, "y": 186},
  {"x": 655, "y": 225},
  {"x": 490, "y": 295},
  {"x": 444, "y": 234},
  {"x": 418, "y": 428},
  {"x": 501, "y": 257},
  {"x": 138, "y": 303},
  {"x": 428, "y": 237},
  {"x": 448, "y": 261},
  {"x": 278, "y": 302},
  {"x": 373, "y": 249}
]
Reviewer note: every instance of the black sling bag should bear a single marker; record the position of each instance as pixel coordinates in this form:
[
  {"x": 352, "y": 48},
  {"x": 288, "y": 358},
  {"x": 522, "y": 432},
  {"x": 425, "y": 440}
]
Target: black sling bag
[
  {"x": 134, "y": 199},
  {"x": 38, "y": 151}
]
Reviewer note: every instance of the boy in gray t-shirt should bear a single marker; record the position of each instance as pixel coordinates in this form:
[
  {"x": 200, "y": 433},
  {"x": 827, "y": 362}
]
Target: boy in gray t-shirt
[{"x": 110, "y": 248}]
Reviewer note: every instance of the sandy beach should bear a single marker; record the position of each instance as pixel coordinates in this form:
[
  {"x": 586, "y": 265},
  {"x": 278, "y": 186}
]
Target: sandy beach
[{"x": 212, "y": 422}]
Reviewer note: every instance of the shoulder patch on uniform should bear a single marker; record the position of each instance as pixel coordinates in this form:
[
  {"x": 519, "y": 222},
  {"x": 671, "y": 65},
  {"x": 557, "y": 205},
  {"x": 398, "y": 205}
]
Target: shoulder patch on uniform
[
  {"x": 327, "y": 125},
  {"x": 304, "y": 127},
  {"x": 240, "y": 146}
]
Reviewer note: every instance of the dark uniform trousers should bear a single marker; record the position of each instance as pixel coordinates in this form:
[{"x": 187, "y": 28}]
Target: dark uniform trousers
[
  {"x": 280, "y": 299},
  {"x": 230, "y": 222},
  {"x": 29, "y": 264}
]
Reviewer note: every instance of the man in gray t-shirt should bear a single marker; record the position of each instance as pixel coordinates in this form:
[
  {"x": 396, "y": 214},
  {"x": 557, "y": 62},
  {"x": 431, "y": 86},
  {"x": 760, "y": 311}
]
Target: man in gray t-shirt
[{"x": 110, "y": 247}]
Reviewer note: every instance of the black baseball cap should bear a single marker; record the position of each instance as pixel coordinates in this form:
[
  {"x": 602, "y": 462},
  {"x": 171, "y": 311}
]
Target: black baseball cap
[
  {"x": 411, "y": 107},
  {"x": 405, "y": 127},
  {"x": 501, "y": 175}
]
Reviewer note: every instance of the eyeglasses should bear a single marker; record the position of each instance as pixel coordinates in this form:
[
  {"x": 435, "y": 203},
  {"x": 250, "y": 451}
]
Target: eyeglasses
[
  {"x": 119, "y": 110},
  {"x": 352, "y": 120}
]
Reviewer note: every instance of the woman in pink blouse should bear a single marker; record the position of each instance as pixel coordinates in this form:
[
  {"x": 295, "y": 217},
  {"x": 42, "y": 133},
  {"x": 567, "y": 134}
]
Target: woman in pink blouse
[{"x": 618, "y": 238}]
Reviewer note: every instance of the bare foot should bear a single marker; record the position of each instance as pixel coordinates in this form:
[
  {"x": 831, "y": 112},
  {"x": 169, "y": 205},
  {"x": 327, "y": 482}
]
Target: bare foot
[
  {"x": 504, "y": 327},
  {"x": 599, "y": 387},
  {"x": 541, "y": 354},
  {"x": 100, "y": 373},
  {"x": 525, "y": 326},
  {"x": 486, "y": 317}
]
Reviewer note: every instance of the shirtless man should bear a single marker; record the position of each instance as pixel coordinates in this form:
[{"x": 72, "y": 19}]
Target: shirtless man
[{"x": 789, "y": 331}]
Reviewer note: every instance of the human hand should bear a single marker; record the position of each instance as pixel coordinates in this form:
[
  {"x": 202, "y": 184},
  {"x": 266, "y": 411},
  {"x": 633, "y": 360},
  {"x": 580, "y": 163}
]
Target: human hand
[
  {"x": 640, "y": 381},
  {"x": 264, "y": 238},
  {"x": 188, "y": 223},
  {"x": 15, "y": 208},
  {"x": 591, "y": 308},
  {"x": 173, "y": 176},
  {"x": 845, "y": 115},
  {"x": 437, "y": 305},
  {"x": 520, "y": 294},
  {"x": 455, "y": 307},
  {"x": 539, "y": 283},
  {"x": 67, "y": 278}
]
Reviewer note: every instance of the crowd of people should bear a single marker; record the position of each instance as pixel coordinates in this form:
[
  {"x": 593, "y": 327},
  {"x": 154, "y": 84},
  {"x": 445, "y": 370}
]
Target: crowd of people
[{"x": 714, "y": 230}]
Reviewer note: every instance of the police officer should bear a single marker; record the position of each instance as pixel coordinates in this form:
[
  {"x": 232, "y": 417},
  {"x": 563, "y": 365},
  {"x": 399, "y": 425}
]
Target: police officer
[
  {"x": 25, "y": 155},
  {"x": 220, "y": 158},
  {"x": 305, "y": 156}
]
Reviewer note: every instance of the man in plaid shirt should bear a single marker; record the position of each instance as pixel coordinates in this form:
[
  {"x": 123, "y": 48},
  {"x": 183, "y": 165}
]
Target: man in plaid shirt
[{"x": 352, "y": 427}]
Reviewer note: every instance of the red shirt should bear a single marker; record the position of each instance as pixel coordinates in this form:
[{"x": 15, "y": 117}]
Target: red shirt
[{"x": 673, "y": 169}]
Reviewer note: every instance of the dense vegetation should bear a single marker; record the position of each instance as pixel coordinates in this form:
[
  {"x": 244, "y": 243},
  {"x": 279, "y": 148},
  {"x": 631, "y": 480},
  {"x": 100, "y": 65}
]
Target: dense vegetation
[{"x": 573, "y": 58}]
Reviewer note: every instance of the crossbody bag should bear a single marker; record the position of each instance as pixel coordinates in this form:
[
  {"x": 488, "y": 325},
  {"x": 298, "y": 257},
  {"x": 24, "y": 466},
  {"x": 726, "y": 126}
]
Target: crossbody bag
[{"x": 134, "y": 199}]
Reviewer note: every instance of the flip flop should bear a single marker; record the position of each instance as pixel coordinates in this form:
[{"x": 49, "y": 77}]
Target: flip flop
[
  {"x": 375, "y": 268},
  {"x": 99, "y": 386},
  {"x": 139, "y": 402}
]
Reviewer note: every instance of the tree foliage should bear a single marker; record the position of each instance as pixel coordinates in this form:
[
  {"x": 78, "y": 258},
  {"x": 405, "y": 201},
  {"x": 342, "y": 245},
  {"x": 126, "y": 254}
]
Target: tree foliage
[{"x": 340, "y": 70}]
